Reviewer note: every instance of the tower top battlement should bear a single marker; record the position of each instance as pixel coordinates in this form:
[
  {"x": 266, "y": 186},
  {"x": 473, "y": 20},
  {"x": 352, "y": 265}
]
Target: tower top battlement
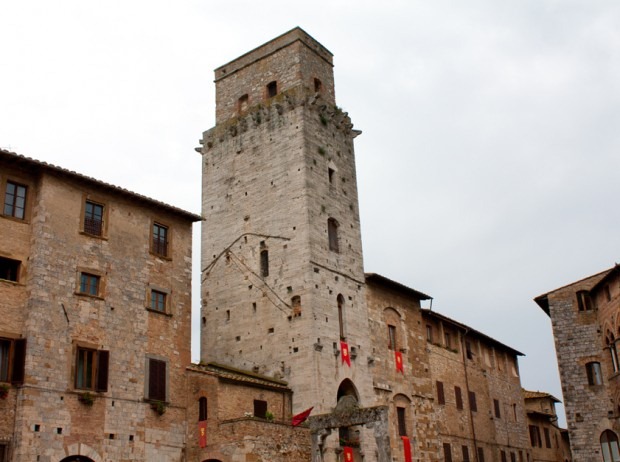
[{"x": 293, "y": 59}]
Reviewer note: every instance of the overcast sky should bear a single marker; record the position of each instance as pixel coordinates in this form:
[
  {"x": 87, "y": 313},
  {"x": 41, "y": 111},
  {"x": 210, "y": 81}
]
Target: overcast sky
[{"x": 489, "y": 162}]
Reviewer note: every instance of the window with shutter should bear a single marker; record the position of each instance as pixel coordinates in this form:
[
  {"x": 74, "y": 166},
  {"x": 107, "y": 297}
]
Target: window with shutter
[
  {"x": 91, "y": 369},
  {"x": 459, "y": 397},
  {"x": 157, "y": 380},
  {"x": 260, "y": 408},
  {"x": 441, "y": 399},
  {"x": 12, "y": 360},
  {"x": 472, "y": 401}
]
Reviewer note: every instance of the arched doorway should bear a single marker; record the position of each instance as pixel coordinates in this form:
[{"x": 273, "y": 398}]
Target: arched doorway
[
  {"x": 77, "y": 459},
  {"x": 347, "y": 393}
]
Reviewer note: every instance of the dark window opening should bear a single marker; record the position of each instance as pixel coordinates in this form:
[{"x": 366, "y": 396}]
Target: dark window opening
[
  {"x": 584, "y": 302},
  {"x": 391, "y": 337},
  {"x": 12, "y": 360},
  {"x": 330, "y": 174},
  {"x": 441, "y": 398},
  {"x": 607, "y": 293},
  {"x": 465, "y": 453},
  {"x": 272, "y": 89},
  {"x": 160, "y": 240},
  {"x": 480, "y": 454},
  {"x": 513, "y": 457},
  {"x": 15, "y": 200},
  {"x": 158, "y": 301},
  {"x": 458, "y": 397},
  {"x": 472, "y": 401},
  {"x": 535, "y": 440},
  {"x": 264, "y": 263},
  {"x": 9, "y": 269},
  {"x": 447, "y": 452},
  {"x": 4, "y": 449},
  {"x": 429, "y": 333},
  {"x": 93, "y": 218},
  {"x": 202, "y": 409},
  {"x": 317, "y": 85},
  {"x": 295, "y": 303},
  {"x": 89, "y": 284},
  {"x": 332, "y": 234},
  {"x": 260, "y": 408},
  {"x": 157, "y": 380},
  {"x": 503, "y": 455},
  {"x": 91, "y": 369},
  {"x": 497, "y": 409},
  {"x": 594, "y": 373},
  {"x": 609, "y": 446},
  {"x": 402, "y": 422},
  {"x": 468, "y": 351},
  {"x": 447, "y": 340},
  {"x": 340, "y": 300},
  {"x": 547, "y": 437}
]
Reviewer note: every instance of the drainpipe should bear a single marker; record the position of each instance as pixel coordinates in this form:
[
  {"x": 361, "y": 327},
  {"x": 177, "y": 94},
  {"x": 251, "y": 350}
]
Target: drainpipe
[{"x": 471, "y": 415}]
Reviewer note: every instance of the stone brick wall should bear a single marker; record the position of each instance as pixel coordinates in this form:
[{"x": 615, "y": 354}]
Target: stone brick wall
[{"x": 49, "y": 421}]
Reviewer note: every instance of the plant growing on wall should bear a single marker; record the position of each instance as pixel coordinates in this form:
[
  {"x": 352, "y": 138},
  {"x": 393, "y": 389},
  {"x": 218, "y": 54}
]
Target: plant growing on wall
[
  {"x": 4, "y": 390},
  {"x": 269, "y": 415},
  {"x": 86, "y": 398},
  {"x": 159, "y": 407}
]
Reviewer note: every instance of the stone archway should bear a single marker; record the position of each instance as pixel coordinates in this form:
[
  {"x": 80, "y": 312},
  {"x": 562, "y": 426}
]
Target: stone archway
[{"x": 77, "y": 459}]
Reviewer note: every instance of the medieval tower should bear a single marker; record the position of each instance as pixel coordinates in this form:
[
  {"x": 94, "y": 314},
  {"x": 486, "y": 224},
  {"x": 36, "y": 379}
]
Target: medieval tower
[{"x": 282, "y": 268}]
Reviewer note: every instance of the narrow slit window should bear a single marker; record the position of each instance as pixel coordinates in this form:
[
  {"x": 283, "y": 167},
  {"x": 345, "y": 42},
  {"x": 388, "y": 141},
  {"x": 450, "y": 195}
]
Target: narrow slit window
[
  {"x": 391, "y": 337},
  {"x": 401, "y": 414},
  {"x": 340, "y": 300},
  {"x": 318, "y": 86},
  {"x": 264, "y": 263},
  {"x": 202, "y": 408},
  {"x": 332, "y": 234}
]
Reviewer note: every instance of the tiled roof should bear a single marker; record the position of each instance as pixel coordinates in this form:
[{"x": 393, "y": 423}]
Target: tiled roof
[
  {"x": 241, "y": 376},
  {"x": 383, "y": 280},
  {"x": 527, "y": 394},
  {"x": 27, "y": 162}
]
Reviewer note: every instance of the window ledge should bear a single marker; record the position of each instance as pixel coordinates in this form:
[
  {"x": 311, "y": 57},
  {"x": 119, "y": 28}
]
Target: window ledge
[
  {"x": 18, "y": 220},
  {"x": 102, "y": 237},
  {"x": 82, "y": 294},
  {"x": 158, "y": 255},
  {"x": 13, "y": 283},
  {"x": 163, "y": 313}
]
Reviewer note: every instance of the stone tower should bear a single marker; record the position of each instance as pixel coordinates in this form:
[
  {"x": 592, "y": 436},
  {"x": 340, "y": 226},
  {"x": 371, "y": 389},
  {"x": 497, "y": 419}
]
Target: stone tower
[{"x": 282, "y": 269}]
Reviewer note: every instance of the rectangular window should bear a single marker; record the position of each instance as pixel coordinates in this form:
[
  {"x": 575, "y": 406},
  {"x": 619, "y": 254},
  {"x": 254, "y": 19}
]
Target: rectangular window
[
  {"x": 391, "y": 337},
  {"x": 260, "y": 408},
  {"x": 429, "y": 333},
  {"x": 470, "y": 355},
  {"x": 503, "y": 455},
  {"x": 465, "y": 453},
  {"x": 402, "y": 424},
  {"x": 272, "y": 89},
  {"x": 4, "y": 452},
  {"x": 447, "y": 340},
  {"x": 459, "y": 398},
  {"x": 12, "y": 360},
  {"x": 480, "y": 455},
  {"x": 160, "y": 240},
  {"x": 91, "y": 369},
  {"x": 584, "y": 302},
  {"x": 158, "y": 301},
  {"x": 497, "y": 410},
  {"x": 202, "y": 409},
  {"x": 513, "y": 457},
  {"x": 157, "y": 379},
  {"x": 89, "y": 284},
  {"x": 594, "y": 373},
  {"x": 441, "y": 399},
  {"x": 332, "y": 234},
  {"x": 264, "y": 263},
  {"x": 15, "y": 200},
  {"x": 93, "y": 218},
  {"x": 472, "y": 401},
  {"x": 447, "y": 452},
  {"x": 535, "y": 436},
  {"x": 547, "y": 437},
  {"x": 9, "y": 269}
]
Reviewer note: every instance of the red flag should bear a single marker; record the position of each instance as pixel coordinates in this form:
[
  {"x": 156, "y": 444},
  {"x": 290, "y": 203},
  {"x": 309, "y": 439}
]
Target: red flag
[
  {"x": 399, "y": 361},
  {"x": 344, "y": 348},
  {"x": 348, "y": 454},
  {"x": 407, "y": 448},
  {"x": 298, "y": 419},
  {"x": 202, "y": 433}
]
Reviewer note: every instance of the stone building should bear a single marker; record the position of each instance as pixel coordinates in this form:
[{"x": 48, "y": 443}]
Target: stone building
[
  {"x": 548, "y": 441},
  {"x": 585, "y": 320},
  {"x": 95, "y": 308},
  {"x": 284, "y": 293}
]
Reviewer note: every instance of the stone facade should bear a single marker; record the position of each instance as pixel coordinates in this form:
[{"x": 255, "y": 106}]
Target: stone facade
[
  {"x": 584, "y": 316},
  {"x": 548, "y": 441},
  {"x": 78, "y": 325}
]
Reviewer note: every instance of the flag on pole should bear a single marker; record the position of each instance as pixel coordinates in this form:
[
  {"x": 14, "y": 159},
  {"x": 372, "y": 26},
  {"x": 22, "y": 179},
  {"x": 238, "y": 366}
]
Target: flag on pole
[
  {"x": 298, "y": 419},
  {"x": 399, "y": 361},
  {"x": 346, "y": 357}
]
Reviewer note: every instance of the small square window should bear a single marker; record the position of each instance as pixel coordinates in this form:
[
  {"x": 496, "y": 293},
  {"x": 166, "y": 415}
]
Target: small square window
[
  {"x": 89, "y": 284},
  {"x": 93, "y": 218},
  {"x": 9, "y": 269},
  {"x": 272, "y": 89},
  {"x": 260, "y": 408},
  {"x": 15, "y": 200},
  {"x": 160, "y": 240},
  {"x": 158, "y": 300}
]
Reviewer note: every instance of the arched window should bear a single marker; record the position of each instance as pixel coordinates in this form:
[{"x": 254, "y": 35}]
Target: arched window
[
  {"x": 340, "y": 300},
  {"x": 609, "y": 446},
  {"x": 332, "y": 234},
  {"x": 202, "y": 409}
]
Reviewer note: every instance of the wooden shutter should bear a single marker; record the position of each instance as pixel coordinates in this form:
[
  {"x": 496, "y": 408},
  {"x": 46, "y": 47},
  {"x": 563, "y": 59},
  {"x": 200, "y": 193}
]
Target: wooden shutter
[
  {"x": 441, "y": 399},
  {"x": 157, "y": 379},
  {"x": 459, "y": 397},
  {"x": 19, "y": 361},
  {"x": 260, "y": 408},
  {"x": 472, "y": 401},
  {"x": 103, "y": 361}
]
